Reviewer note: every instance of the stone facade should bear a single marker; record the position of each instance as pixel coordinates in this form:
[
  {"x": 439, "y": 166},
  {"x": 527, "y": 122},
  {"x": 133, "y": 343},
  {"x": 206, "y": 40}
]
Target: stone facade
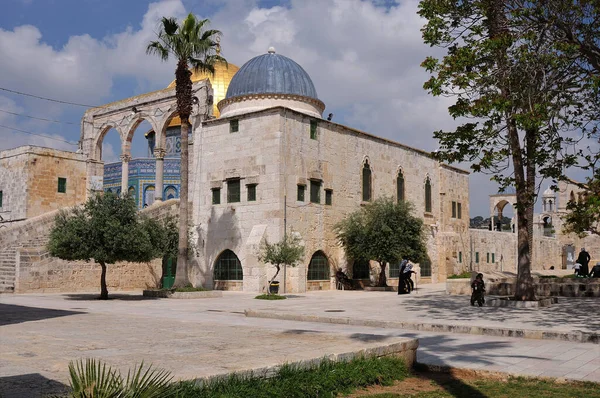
[
  {"x": 273, "y": 151},
  {"x": 29, "y": 181}
]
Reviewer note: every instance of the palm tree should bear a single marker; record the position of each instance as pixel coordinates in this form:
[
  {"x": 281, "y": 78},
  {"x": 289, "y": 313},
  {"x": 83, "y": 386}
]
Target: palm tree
[{"x": 193, "y": 46}]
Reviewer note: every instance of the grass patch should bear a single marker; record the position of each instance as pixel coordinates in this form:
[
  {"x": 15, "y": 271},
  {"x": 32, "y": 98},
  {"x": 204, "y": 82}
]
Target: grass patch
[
  {"x": 270, "y": 297},
  {"x": 464, "y": 383},
  {"x": 558, "y": 277},
  {"x": 326, "y": 380},
  {"x": 462, "y": 275}
]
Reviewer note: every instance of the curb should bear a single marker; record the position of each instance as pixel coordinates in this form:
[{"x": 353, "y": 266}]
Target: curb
[
  {"x": 575, "y": 336},
  {"x": 182, "y": 295},
  {"x": 406, "y": 349}
]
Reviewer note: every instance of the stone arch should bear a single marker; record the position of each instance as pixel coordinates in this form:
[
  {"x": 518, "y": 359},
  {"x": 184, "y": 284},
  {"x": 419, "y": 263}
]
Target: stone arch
[
  {"x": 227, "y": 267},
  {"x": 497, "y": 205},
  {"x": 129, "y": 131},
  {"x": 318, "y": 268},
  {"x": 170, "y": 192},
  {"x": 99, "y": 139}
]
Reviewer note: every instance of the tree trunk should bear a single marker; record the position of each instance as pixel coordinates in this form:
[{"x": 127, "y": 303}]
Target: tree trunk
[
  {"x": 278, "y": 267},
  {"x": 103, "y": 289},
  {"x": 183, "y": 89},
  {"x": 382, "y": 279}
]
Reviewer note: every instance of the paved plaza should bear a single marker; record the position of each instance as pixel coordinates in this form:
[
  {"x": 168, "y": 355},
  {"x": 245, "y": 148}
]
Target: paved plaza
[{"x": 41, "y": 333}]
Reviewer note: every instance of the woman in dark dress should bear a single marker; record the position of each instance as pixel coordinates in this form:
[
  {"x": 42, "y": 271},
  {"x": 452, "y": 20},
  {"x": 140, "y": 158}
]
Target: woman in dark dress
[{"x": 402, "y": 282}]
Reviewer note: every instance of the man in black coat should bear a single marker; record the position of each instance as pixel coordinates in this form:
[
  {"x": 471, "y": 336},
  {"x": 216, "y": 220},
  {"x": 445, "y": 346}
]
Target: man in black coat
[{"x": 584, "y": 259}]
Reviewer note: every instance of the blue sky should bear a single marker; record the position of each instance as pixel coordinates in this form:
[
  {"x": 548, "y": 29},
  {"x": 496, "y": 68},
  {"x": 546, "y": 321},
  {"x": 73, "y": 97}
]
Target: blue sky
[{"x": 363, "y": 56}]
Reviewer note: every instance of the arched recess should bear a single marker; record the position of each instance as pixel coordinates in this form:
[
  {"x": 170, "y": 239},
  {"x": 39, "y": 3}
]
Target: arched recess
[
  {"x": 400, "y": 185},
  {"x": 367, "y": 181},
  {"x": 145, "y": 123},
  {"x": 318, "y": 268},
  {"x": 361, "y": 269},
  {"x": 131, "y": 192},
  {"x": 170, "y": 193},
  {"x": 228, "y": 267},
  {"x": 149, "y": 195}
]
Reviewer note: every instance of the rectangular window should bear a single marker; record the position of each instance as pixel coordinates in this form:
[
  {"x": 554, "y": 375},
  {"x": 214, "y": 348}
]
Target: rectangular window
[
  {"x": 477, "y": 257},
  {"x": 301, "y": 189},
  {"x": 0, "y": 198},
  {"x": 234, "y": 126},
  {"x": 493, "y": 258},
  {"x": 459, "y": 210},
  {"x": 328, "y": 197},
  {"x": 453, "y": 209},
  {"x": 313, "y": 129},
  {"x": 233, "y": 191},
  {"x": 251, "y": 192},
  {"x": 488, "y": 257},
  {"x": 460, "y": 257},
  {"x": 216, "y": 196},
  {"x": 315, "y": 191},
  {"x": 62, "y": 185}
]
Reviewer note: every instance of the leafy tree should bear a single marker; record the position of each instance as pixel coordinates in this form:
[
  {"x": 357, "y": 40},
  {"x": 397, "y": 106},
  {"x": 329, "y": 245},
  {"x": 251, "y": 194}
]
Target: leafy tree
[
  {"x": 107, "y": 229},
  {"x": 526, "y": 102},
  {"x": 584, "y": 216},
  {"x": 385, "y": 231},
  {"x": 288, "y": 251},
  {"x": 192, "y": 45}
]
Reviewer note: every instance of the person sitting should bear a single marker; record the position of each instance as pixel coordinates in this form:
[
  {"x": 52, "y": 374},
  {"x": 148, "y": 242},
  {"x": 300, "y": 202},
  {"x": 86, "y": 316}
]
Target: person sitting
[
  {"x": 343, "y": 282},
  {"x": 478, "y": 290},
  {"x": 595, "y": 273}
]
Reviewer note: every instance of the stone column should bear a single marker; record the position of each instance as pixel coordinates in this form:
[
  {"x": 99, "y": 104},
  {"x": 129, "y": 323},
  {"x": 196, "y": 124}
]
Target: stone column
[
  {"x": 159, "y": 154},
  {"x": 125, "y": 173}
]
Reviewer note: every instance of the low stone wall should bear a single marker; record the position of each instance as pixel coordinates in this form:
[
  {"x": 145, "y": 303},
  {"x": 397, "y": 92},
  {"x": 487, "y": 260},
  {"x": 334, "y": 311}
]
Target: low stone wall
[
  {"x": 544, "y": 287},
  {"x": 318, "y": 285},
  {"x": 38, "y": 272},
  {"x": 236, "y": 286},
  {"x": 182, "y": 295}
]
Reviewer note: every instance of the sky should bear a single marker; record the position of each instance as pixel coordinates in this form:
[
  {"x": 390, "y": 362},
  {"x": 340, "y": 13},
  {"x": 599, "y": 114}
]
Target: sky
[{"x": 363, "y": 56}]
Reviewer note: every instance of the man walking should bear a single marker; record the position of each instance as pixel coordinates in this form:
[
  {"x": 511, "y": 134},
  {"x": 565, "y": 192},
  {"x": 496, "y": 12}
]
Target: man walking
[{"x": 584, "y": 259}]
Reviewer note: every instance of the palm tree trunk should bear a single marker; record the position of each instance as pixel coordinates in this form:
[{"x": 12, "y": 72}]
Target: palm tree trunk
[
  {"x": 103, "y": 289},
  {"x": 183, "y": 89}
]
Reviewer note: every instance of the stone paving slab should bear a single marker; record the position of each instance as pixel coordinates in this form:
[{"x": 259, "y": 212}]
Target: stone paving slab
[{"x": 41, "y": 333}]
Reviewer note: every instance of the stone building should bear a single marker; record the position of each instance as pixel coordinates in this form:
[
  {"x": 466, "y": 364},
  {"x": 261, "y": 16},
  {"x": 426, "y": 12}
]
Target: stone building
[{"x": 35, "y": 180}]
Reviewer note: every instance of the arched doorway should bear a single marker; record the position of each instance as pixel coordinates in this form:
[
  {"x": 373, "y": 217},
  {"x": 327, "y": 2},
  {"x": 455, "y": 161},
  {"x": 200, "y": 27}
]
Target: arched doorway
[
  {"x": 228, "y": 273},
  {"x": 170, "y": 193},
  {"x": 148, "y": 195},
  {"x": 319, "y": 275}
]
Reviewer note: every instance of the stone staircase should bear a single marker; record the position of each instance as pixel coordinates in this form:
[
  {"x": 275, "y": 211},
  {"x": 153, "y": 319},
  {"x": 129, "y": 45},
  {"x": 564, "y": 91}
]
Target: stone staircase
[{"x": 8, "y": 264}]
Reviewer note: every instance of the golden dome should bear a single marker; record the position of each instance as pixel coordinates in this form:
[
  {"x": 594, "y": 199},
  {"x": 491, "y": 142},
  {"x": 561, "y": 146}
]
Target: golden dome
[{"x": 220, "y": 82}]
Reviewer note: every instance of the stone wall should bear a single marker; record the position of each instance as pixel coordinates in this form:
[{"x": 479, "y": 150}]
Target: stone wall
[
  {"x": 29, "y": 181},
  {"x": 544, "y": 287},
  {"x": 24, "y": 257}
]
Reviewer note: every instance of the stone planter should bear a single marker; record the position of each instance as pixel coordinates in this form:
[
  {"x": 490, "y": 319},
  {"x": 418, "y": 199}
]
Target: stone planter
[
  {"x": 182, "y": 295},
  {"x": 510, "y": 302}
]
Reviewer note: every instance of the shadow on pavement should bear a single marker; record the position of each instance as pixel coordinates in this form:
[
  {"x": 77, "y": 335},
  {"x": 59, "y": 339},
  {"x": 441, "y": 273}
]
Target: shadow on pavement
[
  {"x": 368, "y": 338},
  {"x": 11, "y": 314},
  {"x": 30, "y": 385},
  {"x": 574, "y": 311},
  {"x": 116, "y": 296},
  {"x": 300, "y": 331}
]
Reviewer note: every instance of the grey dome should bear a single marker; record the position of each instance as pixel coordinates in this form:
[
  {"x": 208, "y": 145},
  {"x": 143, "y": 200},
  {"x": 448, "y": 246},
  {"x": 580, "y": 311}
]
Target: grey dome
[{"x": 271, "y": 74}]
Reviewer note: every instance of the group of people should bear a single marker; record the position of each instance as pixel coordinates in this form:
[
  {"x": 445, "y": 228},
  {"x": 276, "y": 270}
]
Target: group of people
[{"x": 581, "y": 266}]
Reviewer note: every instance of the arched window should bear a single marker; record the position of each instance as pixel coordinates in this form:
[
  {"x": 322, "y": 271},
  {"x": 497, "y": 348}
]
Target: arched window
[
  {"x": 131, "y": 192},
  {"x": 170, "y": 192},
  {"x": 318, "y": 268},
  {"x": 400, "y": 186},
  {"x": 361, "y": 269},
  {"x": 228, "y": 267},
  {"x": 366, "y": 182},
  {"x": 428, "y": 195},
  {"x": 149, "y": 195}
]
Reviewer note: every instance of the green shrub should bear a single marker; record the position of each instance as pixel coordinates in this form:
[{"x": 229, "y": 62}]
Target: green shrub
[
  {"x": 270, "y": 297},
  {"x": 94, "y": 379},
  {"x": 462, "y": 275}
]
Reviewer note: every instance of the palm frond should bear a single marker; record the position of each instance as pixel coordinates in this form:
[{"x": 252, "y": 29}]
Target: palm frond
[
  {"x": 151, "y": 383},
  {"x": 155, "y": 47},
  {"x": 169, "y": 25},
  {"x": 94, "y": 379}
]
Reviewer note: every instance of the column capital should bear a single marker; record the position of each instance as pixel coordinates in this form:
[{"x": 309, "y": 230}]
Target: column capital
[
  {"x": 159, "y": 153},
  {"x": 125, "y": 158}
]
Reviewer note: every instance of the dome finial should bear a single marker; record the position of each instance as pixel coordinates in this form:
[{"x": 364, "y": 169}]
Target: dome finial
[{"x": 271, "y": 50}]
